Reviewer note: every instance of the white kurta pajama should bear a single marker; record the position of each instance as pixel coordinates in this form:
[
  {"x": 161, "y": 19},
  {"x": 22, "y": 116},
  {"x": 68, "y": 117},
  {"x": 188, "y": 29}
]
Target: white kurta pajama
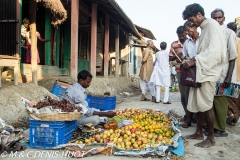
[
  {"x": 161, "y": 74},
  {"x": 146, "y": 85}
]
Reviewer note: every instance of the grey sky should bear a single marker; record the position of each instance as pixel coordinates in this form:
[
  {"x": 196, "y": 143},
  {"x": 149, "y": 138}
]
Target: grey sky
[{"x": 163, "y": 17}]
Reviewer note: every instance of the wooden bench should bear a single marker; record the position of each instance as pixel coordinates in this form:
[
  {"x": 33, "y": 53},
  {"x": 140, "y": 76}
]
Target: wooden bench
[{"x": 9, "y": 61}]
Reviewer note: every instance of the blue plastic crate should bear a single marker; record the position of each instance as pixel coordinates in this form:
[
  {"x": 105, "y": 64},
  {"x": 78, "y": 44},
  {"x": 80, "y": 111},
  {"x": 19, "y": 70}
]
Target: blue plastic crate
[
  {"x": 58, "y": 90},
  {"x": 46, "y": 134},
  {"x": 102, "y": 103}
]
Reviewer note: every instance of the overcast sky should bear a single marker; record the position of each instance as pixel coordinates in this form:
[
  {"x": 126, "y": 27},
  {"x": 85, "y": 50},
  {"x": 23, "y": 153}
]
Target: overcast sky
[{"x": 163, "y": 17}]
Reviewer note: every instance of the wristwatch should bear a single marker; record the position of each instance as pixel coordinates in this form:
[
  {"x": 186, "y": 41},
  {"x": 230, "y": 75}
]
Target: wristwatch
[{"x": 194, "y": 60}]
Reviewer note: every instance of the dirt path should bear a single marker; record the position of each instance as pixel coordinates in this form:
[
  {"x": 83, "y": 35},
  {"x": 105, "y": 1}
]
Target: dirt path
[{"x": 226, "y": 148}]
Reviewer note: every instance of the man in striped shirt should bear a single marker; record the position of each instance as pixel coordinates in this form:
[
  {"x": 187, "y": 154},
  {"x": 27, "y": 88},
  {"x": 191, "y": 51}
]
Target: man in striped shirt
[{"x": 176, "y": 49}]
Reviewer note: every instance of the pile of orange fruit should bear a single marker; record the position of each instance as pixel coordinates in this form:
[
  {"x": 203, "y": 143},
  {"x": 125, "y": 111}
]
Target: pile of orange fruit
[
  {"x": 151, "y": 121},
  {"x": 149, "y": 128}
]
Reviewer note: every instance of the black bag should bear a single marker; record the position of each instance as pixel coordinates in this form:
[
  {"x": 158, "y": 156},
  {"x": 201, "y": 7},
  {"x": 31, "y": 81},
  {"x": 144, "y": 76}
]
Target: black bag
[{"x": 188, "y": 77}]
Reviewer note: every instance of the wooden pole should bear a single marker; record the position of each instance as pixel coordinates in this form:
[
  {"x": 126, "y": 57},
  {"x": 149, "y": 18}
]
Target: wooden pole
[
  {"x": 33, "y": 37},
  {"x": 93, "y": 39},
  {"x": 54, "y": 47},
  {"x": 117, "y": 50},
  {"x": 48, "y": 34},
  {"x": 74, "y": 39},
  {"x": 18, "y": 38},
  {"x": 58, "y": 36},
  {"x": 106, "y": 46}
]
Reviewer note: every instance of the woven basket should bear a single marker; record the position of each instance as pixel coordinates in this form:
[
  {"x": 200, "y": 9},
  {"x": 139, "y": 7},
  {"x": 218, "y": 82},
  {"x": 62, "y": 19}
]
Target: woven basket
[{"x": 71, "y": 116}]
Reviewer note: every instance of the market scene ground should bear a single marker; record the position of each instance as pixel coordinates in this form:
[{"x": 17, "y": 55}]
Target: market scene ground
[
  {"x": 82, "y": 79},
  {"x": 225, "y": 148}
]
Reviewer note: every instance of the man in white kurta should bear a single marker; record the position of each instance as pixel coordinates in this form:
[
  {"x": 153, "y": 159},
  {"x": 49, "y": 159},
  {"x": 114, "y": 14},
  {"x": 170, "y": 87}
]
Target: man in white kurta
[
  {"x": 221, "y": 102},
  {"x": 162, "y": 73},
  {"x": 210, "y": 56}
]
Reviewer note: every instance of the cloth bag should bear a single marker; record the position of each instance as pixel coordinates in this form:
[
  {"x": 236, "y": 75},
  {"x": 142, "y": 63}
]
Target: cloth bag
[{"x": 188, "y": 77}]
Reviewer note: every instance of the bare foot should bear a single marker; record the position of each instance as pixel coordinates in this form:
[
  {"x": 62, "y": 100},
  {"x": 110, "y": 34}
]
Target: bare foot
[
  {"x": 195, "y": 136},
  {"x": 206, "y": 143}
]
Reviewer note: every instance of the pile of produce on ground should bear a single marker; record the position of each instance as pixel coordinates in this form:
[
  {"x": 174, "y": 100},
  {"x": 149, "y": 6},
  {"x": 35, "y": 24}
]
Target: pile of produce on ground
[
  {"x": 131, "y": 129},
  {"x": 50, "y": 109},
  {"x": 64, "y": 105}
]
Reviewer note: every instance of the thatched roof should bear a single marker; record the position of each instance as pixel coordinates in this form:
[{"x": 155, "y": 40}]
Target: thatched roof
[{"x": 57, "y": 9}]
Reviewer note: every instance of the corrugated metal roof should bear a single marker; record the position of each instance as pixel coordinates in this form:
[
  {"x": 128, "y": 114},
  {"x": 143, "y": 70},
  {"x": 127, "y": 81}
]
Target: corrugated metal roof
[
  {"x": 117, "y": 15},
  {"x": 125, "y": 17}
]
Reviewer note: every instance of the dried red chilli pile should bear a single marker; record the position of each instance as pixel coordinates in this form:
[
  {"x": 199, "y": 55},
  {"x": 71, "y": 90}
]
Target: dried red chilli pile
[{"x": 64, "y": 105}]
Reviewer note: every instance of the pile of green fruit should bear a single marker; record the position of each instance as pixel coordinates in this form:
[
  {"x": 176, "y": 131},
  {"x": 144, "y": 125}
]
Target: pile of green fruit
[{"x": 118, "y": 119}]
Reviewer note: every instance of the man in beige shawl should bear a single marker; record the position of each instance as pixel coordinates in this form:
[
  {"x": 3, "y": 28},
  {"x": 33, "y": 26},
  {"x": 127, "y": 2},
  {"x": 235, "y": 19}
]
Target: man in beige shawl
[
  {"x": 210, "y": 56},
  {"x": 146, "y": 72},
  {"x": 220, "y": 103}
]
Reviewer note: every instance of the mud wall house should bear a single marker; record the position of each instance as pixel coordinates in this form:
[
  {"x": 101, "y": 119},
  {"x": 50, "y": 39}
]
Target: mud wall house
[
  {"x": 136, "y": 49},
  {"x": 96, "y": 36},
  {"x": 105, "y": 37}
]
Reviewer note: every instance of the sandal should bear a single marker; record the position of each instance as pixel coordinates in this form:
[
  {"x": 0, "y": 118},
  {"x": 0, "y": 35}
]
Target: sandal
[
  {"x": 145, "y": 99},
  {"x": 204, "y": 126},
  {"x": 167, "y": 103},
  {"x": 231, "y": 124},
  {"x": 205, "y": 131},
  {"x": 157, "y": 102},
  {"x": 186, "y": 124},
  {"x": 229, "y": 119}
]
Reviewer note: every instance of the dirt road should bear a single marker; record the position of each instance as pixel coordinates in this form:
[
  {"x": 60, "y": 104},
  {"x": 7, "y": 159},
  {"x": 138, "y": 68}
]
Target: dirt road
[{"x": 226, "y": 148}]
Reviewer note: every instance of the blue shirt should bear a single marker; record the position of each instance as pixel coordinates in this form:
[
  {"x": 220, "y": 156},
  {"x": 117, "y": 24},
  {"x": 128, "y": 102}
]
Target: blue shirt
[
  {"x": 76, "y": 94},
  {"x": 190, "y": 48}
]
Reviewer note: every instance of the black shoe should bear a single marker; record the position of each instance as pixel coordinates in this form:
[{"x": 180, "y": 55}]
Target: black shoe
[
  {"x": 194, "y": 121},
  {"x": 217, "y": 133}
]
